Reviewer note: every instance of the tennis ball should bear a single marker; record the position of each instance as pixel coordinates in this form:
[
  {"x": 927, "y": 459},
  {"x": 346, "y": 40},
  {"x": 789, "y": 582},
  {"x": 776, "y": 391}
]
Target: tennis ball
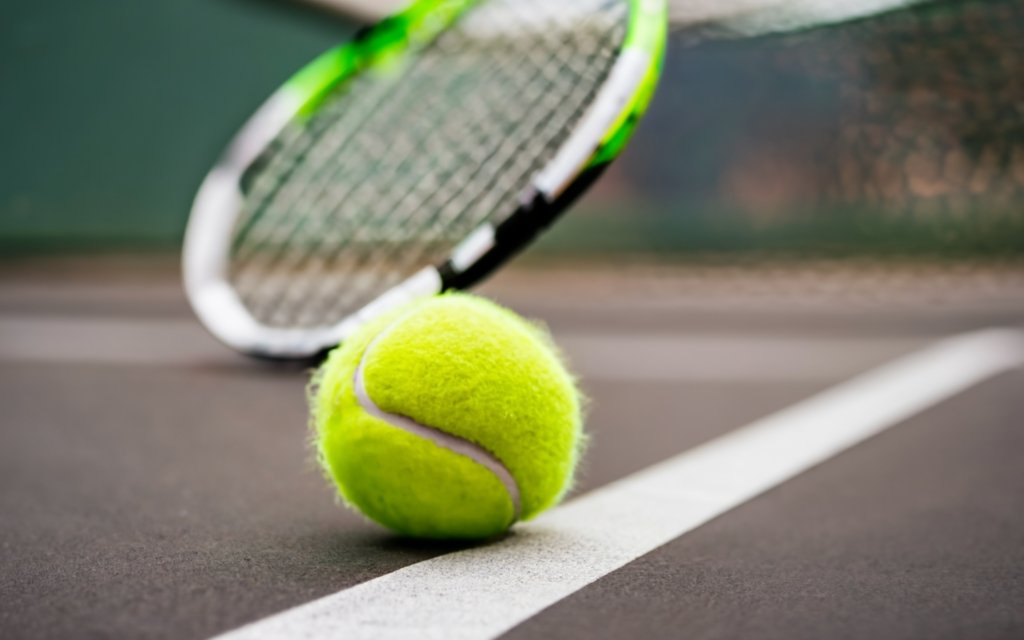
[{"x": 450, "y": 418}]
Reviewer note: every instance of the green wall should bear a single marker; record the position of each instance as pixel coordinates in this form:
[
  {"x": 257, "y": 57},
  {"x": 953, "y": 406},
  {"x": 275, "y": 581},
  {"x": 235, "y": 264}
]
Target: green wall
[{"x": 112, "y": 110}]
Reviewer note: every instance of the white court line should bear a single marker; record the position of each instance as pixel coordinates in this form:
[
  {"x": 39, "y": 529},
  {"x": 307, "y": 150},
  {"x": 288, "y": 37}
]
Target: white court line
[
  {"x": 688, "y": 357},
  {"x": 721, "y": 357},
  {"x": 485, "y": 591},
  {"x": 115, "y": 341}
]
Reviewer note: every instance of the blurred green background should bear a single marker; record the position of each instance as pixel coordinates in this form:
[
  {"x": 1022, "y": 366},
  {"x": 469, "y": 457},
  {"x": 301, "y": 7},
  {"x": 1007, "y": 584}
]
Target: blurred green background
[
  {"x": 901, "y": 134},
  {"x": 113, "y": 110}
]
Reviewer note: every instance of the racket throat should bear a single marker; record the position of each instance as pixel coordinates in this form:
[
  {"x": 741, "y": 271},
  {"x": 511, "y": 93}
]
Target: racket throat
[{"x": 534, "y": 215}]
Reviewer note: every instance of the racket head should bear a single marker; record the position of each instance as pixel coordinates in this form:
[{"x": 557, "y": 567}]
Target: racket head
[{"x": 417, "y": 158}]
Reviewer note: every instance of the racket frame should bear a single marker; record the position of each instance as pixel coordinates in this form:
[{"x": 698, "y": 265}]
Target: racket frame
[{"x": 597, "y": 139}]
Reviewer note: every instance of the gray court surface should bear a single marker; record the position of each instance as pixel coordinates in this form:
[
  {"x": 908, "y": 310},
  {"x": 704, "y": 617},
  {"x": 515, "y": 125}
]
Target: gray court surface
[{"x": 155, "y": 485}]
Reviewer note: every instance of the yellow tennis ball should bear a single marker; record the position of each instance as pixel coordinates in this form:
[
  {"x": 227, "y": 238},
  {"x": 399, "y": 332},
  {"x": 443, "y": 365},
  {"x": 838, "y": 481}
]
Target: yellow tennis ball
[{"x": 449, "y": 418}]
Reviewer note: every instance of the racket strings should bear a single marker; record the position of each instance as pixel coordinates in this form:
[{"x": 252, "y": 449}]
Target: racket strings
[
  {"x": 336, "y": 165},
  {"x": 411, "y": 152},
  {"x": 357, "y": 227},
  {"x": 394, "y": 169},
  {"x": 403, "y": 152}
]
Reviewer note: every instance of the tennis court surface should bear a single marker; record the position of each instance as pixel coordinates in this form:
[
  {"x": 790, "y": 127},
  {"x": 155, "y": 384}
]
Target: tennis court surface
[
  {"x": 796, "y": 305},
  {"x": 778, "y": 451}
]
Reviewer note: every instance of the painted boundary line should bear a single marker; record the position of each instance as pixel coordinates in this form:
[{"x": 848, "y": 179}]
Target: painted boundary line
[
  {"x": 704, "y": 357},
  {"x": 485, "y": 591}
]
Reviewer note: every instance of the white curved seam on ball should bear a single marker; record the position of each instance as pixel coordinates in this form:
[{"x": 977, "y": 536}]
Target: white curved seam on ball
[{"x": 445, "y": 440}]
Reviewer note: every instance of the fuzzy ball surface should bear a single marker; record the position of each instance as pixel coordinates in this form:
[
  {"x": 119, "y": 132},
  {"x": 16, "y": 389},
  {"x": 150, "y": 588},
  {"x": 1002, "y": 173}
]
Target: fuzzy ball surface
[{"x": 450, "y": 418}]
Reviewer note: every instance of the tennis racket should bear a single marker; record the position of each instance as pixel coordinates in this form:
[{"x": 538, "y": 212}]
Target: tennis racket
[{"x": 415, "y": 160}]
